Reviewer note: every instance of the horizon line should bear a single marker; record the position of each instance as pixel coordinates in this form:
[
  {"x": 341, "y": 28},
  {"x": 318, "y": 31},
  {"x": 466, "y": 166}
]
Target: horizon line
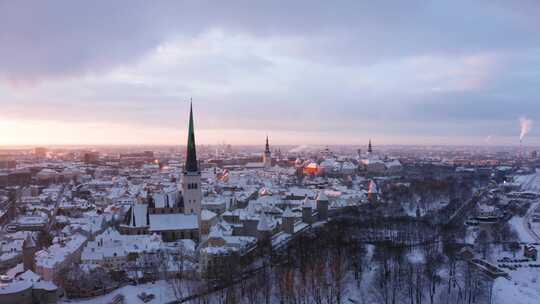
[{"x": 8, "y": 146}]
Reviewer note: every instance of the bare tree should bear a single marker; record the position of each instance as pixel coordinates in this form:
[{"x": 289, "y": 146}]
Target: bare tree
[
  {"x": 263, "y": 279},
  {"x": 383, "y": 272},
  {"x": 176, "y": 262},
  {"x": 338, "y": 272},
  {"x": 482, "y": 241},
  {"x": 316, "y": 280},
  {"x": 432, "y": 267}
]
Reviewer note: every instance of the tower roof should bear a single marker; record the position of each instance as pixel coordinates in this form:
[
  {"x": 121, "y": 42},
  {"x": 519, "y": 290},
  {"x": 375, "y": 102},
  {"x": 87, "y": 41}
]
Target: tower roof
[
  {"x": 29, "y": 241},
  {"x": 267, "y": 147},
  {"x": 215, "y": 233},
  {"x": 191, "y": 154},
  {"x": 373, "y": 188}
]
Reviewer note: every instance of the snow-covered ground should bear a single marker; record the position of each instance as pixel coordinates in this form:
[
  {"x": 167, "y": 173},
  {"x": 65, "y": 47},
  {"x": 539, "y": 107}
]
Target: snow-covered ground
[
  {"x": 435, "y": 204},
  {"x": 470, "y": 235},
  {"x": 416, "y": 257},
  {"x": 533, "y": 228},
  {"x": 161, "y": 289},
  {"x": 365, "y": 291},
  {"x": 530, "y": 182},
  {"x": 518, "y": 224},
  {"x": 524, "y": 285},
  {"x": 523, "y": 288},
  {"x": 528, "y": 231}
]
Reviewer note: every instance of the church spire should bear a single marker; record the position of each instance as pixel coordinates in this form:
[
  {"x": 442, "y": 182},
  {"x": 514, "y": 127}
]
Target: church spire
[
  {"x": 267, "y": 149},
  {"x": 191, "y": 154},
  {"x": 267, "y": 155}
]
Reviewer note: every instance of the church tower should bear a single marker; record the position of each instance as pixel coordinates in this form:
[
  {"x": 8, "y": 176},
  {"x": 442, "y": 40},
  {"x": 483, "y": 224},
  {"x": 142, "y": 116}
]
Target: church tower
[
  {"x": 191, "y": 177},
  {"x": 267, "y": 155}
]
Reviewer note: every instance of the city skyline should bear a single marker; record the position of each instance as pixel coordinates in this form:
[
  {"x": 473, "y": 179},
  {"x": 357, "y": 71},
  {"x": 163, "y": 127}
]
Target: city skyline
[
  {"x": 414, "y": 73},
  {"x": 326, "y": 152}
]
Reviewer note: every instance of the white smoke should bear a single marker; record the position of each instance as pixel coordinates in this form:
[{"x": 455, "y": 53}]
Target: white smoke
[
  {"x": 526, "y": 125},
  {"x": 300, "y": 149}
]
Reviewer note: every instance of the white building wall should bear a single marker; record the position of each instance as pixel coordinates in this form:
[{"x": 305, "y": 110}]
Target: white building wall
[{"x": 192, "y": 192}]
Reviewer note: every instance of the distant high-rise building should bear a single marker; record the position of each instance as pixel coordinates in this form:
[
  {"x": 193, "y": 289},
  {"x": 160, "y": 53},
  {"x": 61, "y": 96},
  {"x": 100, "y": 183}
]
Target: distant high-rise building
[
  {"x": 40, "y": 152},
  {"x": 534, "y": 154},
  {"x": 91, "y": 157},
  {"x": 370, "y": 148},
  {"x": 7, "y": 161},
  {"x": 191, "y": 177},
  {"x": 267, "y": 155}
]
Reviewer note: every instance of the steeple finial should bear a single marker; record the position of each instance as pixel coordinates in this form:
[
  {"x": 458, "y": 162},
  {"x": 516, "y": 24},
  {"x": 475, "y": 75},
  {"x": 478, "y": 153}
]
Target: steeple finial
[
  {"x": 267, "y": 147},
  {"x": 191, "y": 153}
]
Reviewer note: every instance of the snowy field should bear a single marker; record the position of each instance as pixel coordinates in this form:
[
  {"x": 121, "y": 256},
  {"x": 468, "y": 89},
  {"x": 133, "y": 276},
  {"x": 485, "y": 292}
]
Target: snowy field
[
  {"x": 524, "y": 285},
  {"x": 162, "y": 291},
  {"x": 523, "y": 288},
  {"x": 530, "y": 182},
  {"x": 518, "y": 224}
]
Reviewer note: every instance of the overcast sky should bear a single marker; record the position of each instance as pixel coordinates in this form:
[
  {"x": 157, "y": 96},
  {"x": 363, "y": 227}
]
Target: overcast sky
[{"x": 304, "y": 72}]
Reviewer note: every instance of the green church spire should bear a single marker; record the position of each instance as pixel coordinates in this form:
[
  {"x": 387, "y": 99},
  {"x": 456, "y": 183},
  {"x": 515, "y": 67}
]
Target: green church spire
[{"x": 191, "y": 154}]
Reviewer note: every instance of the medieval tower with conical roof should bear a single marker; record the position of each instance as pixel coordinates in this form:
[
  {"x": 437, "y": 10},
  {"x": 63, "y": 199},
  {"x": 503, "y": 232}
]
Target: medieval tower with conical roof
[{"x": 191, "y": 176}]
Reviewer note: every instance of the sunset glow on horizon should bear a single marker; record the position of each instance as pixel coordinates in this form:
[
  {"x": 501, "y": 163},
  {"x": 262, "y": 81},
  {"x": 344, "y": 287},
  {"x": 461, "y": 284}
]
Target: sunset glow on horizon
[{"x": 328, "y": 80}]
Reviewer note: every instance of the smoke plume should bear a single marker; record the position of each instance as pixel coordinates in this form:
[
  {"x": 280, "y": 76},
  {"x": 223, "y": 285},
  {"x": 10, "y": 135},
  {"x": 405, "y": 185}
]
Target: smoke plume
[{"x": 526, "y": 125}]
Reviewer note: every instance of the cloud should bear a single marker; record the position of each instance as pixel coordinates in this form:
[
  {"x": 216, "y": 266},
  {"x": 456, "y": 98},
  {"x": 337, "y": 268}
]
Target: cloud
[
  {"x": 65, "y": 38},
  {"x": 413, "y": 67}
]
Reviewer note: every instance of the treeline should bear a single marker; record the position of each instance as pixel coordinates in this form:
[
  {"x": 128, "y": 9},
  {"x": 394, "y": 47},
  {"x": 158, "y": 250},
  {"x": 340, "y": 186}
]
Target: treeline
[{"x": 333, "y": 265}]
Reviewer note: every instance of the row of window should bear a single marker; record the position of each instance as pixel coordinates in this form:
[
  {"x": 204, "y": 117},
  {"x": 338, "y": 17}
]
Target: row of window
[
  {"x": 192, "y": 186},
  {"x": 164, "y": 210},
  {"x": 177, "y": 234},
  {"x": 182, "y": 234}
]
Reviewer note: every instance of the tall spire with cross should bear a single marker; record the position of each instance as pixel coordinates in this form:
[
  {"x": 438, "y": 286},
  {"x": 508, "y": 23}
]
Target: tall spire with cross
[
  {"x": 191, "y": 177},
  {"x": 191, "y": 153}
]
